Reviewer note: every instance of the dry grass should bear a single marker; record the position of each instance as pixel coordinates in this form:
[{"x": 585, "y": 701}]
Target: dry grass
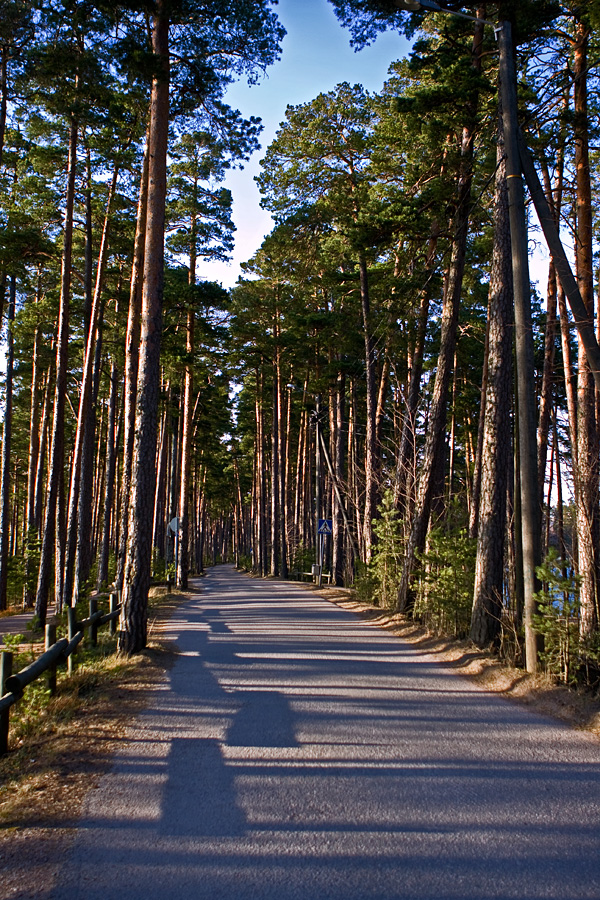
[
  {"x": 581, "y": 709},
  {"x": 64, "y": 751}
]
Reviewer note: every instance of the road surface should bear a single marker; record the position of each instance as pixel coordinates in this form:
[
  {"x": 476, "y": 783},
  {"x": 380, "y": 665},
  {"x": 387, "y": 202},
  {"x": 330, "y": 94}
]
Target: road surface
[{"x": 295, "y": 753}]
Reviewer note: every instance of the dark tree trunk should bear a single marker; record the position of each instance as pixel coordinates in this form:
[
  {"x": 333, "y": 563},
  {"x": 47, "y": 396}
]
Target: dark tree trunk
[
  {"x": 587, "y": 433},
  {"x": 132, "y": 349},
  {"x": 275, "y": 461},
  {"x": 133, "y": 624},
  {"x": 339, "y": 455},
  {"x": 487, "y": 598},
  {"x": 55, "y": 474},
  {"x": 370, "y": 438},
  {"x": 79, "y": 515},
  {"x": 5, "y": 485},
  {"x": 111, "y": 459},
  {"x": 34, "y": 454}
]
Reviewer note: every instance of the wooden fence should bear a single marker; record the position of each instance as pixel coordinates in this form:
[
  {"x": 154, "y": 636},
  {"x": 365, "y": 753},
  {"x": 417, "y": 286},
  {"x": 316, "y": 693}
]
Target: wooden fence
[{"x": 56, "y": 653}]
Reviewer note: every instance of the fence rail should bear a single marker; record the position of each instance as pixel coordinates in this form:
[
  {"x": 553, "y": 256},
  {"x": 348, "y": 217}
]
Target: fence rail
[{"x": 12, "y": 686}]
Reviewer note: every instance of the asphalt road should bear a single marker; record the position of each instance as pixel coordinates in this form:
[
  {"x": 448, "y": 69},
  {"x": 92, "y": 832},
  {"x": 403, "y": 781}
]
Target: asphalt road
[{"x": 295, "y": 752}]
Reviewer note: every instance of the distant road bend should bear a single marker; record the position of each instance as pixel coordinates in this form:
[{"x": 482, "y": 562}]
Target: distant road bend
[{"x": 295, "y": 753}]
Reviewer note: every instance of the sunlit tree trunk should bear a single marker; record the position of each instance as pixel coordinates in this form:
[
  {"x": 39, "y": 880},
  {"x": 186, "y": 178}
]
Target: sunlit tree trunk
[
  {"x": 133, "y": 624},
  {"x": 132, "y": 349},
  {"x": 587, "y": 435}
]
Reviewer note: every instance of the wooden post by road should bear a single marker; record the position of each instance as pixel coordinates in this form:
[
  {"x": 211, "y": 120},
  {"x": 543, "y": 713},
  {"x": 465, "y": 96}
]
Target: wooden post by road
[
  {"x": 72, "y": 620},
  {"x": 6, "y": 667},
  {"x": 93, "y": 631},
  {"x": 49, "y": 642}
]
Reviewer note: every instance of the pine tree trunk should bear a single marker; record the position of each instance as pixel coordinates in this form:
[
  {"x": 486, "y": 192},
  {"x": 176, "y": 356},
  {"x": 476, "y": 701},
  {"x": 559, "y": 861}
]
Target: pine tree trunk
[
  {"x": 405, "y": 464},
  {"x": 488, "y": 591},
  {"x": 5, "y": 486},
  {"x": 132, "y": 350},
  {"x": 160, "y": 506},
  {"x": 34, "y": 454},
  {"x": 133, "y": 624},
  {"x": 546, "y": 399},
  {"x": 282, "y": 471},
  {"x": 275, "y": 462},
  {"x": 62, "y": 350},
  {"x": 40, "y": 468},
  {"x": 587, "y": 433},
  {"x": 111, "y": 459},
  {"x": 186, "y": 432},
  {"x": 339, "y": 455},
  {"x": 77, "y": 524},
  {"x": 476, "y": 491},
  {"x": 88, "y": 501},
  {"x": 370, "y": 438}
]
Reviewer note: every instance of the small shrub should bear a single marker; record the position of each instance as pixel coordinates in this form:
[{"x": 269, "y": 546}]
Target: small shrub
[
  {"x": 557, "y": 619},
  {"x": 302, "y": 560},
  {"x": 245, "y": 562},
  {"x": 446, "y": 582},
  {"x": 378, "y": 582},
  {"x": 365, "y": 584},
  {"x": 12, "y": 641},
  {"x": 385, "y": 568}
]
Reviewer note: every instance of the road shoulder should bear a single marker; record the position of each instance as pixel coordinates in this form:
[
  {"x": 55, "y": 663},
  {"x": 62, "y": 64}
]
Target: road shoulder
[{"x": 39, "y": 812}]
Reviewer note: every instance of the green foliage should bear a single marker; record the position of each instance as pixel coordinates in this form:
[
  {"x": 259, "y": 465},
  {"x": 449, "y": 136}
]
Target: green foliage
[
  {"x": 446, "y": 582},
  {"x": 302, "y": 560},
  {"x": 12, "y": 641},
  {"x": 244, "y": 562},
  {"x": 378, "y": 582},
  {"x": 365, "y": 584},
  {"x": 15, "y": 580},
  {"x": 385, "y": 568},
  {"x": 557, "y": 619}
]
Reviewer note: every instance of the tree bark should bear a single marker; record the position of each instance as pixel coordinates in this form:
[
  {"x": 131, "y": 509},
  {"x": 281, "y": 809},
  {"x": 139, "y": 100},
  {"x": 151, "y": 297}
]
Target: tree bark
[
  {"x": 132, "y": 350},
  {"x": 186, "y": 430},
  {"x": 34, "y": 453},
  {"x": 133, "y": 624},
  {"x": 111, "y": 459},
  {"x": 487, "y": 596},
  {"x": 370, "y": 438},
  {"x": 587, "y": 435},
  {"x": 84, "y": 425},
  {"x": 60, "y": 389},
  {"x": 5, "y": 479}
]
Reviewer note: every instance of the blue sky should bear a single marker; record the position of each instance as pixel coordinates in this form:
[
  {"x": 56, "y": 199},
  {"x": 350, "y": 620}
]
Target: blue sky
[{"x": 316, "y": 56}]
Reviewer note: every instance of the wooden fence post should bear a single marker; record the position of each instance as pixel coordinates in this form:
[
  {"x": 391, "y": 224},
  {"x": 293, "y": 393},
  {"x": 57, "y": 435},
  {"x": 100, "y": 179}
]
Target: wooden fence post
[
  {"x": 114, "y": 602},
  {"x": 50, "y": 641},
  {"x": 93, "y": 632},
  {"x": 72, "y": 620},
  {"x": 6, "y": 667}
]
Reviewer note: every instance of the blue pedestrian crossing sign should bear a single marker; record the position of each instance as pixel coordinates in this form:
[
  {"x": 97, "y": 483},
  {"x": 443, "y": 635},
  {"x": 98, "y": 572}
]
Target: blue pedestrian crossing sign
[{"x": 325, "y": 526}]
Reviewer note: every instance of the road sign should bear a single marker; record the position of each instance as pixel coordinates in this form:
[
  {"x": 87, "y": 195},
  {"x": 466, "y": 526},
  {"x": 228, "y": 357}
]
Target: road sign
[
  {"x": 174, "y": 525},
  {"x": 325, "y": 526}
]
